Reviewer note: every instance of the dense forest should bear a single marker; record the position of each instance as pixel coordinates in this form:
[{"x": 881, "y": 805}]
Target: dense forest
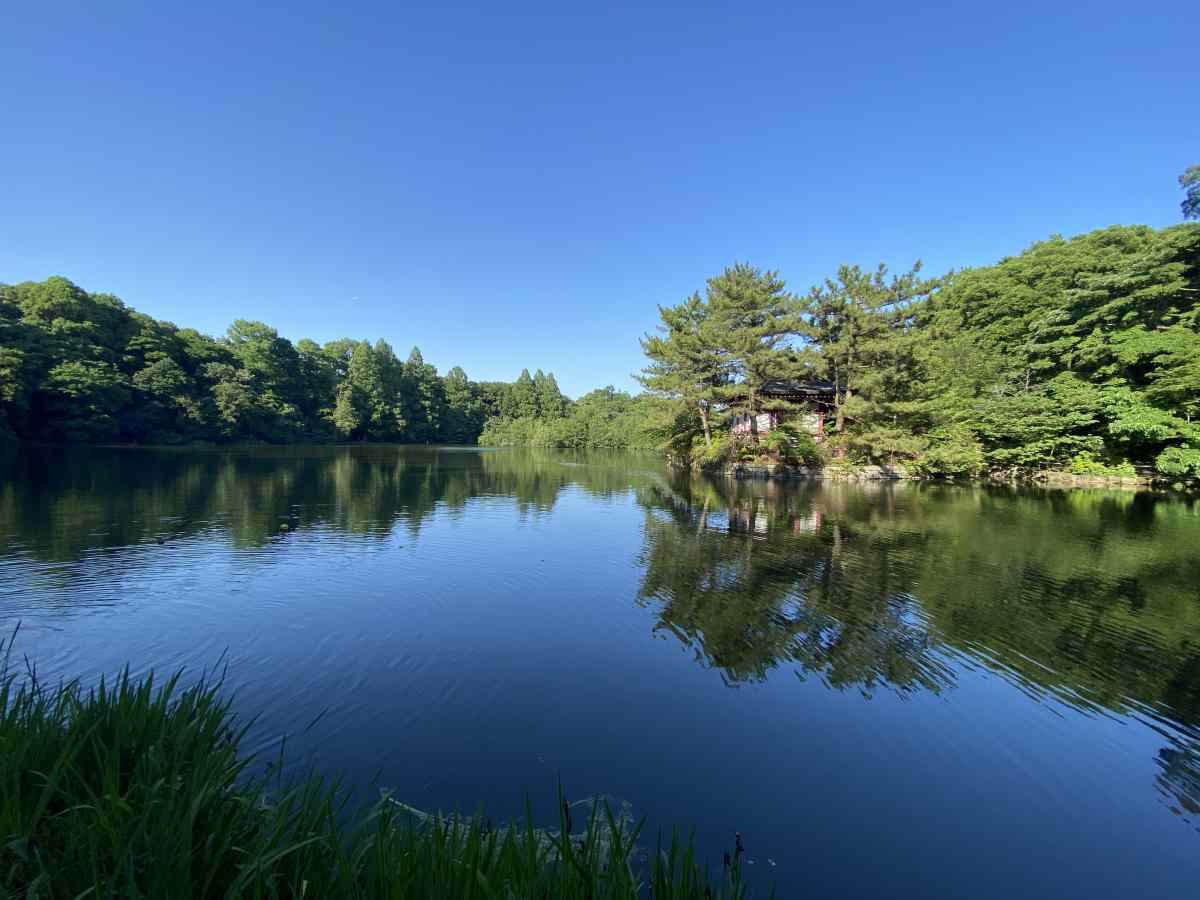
[
  {"x": 83, "y": 367},
  {"x": 1079, "y": 353}
]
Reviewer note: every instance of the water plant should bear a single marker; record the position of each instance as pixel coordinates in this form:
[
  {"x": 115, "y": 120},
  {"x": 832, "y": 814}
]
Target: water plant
[{"x": 136, "y": 788}]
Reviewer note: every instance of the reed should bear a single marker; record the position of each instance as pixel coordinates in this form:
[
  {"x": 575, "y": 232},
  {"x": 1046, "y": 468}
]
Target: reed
[{"x": 136, "y": 789}]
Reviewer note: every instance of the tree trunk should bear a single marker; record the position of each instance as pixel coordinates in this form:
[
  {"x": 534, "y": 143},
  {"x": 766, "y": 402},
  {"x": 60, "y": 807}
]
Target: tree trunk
[
  {"x": 704, "y": 424},
  {"x": 840, "y": 422}
]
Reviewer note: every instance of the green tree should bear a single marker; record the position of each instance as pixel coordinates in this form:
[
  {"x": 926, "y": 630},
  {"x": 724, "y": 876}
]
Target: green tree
[
  {"x": 83, "y": 398},
  {"x": 551, "y": 404},
  {"x": 349, "y": 413},
  {"x": 753, "y": 320},
  {"x": 318, "y": 382},
  {"x": 161, "y": 387},
  {"x": 687, "y": 364},
  {"x": 370, "y": 389},
  {"x": 15, "y": 338},
  {"x": 66, "y": 354},
  {"x": 521, "y": 399},
  {"x": 426, "y": 401},
  {"x": 1190, "y": 182},
  {"x": 857, "y": 323},
  {"x": 233, "y": 400},
  {"x": 1086, "y": 343},
  {"x": 463, "y": 419},
  {"x": 267, "y": 387}
]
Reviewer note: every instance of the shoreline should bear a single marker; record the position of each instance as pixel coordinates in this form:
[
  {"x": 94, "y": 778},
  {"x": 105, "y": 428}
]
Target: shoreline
[{"x": 878, "y": 473}]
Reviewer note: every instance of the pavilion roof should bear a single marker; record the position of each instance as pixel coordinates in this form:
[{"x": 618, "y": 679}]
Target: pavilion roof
[{"x": 814, "y": 386}]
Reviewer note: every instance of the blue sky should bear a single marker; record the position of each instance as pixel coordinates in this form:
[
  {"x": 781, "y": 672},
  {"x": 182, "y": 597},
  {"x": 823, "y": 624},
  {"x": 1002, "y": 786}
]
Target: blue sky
[{"x": 514, "y": 185}]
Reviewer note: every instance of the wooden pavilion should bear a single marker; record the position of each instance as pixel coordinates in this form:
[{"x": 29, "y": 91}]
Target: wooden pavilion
[{"x": 809, "y": 404}]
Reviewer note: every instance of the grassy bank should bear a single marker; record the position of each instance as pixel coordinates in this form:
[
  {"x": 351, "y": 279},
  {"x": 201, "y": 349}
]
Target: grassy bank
[{"x": 137, "y": 789}]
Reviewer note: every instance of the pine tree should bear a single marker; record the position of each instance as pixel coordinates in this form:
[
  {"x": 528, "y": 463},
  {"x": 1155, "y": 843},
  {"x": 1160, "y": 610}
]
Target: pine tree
[
  {"x": 854, "y": 322},
  {"x": 686, "y": 361},
  {"x": 754, "y": 318},
  {"x": 1190, "y": 182}
]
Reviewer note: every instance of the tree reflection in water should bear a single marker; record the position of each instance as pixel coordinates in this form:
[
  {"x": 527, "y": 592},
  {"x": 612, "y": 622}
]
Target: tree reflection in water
[{"x": 1087, "y": 598}]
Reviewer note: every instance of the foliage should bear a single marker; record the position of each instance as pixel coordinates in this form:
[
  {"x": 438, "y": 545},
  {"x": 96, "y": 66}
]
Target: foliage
[
  {"x": 1179, "y": 461},
  {"x": 685, "y": 363},
  {"x": 952, "y": 454},
  {"x": 81, "y": 367},
  {"x": 1074, "y": 350},
  {"x": 792, "y": 446},
  {"x": 1087, "y": 464},
  {"x": 138, "y": 789},
  {"x": 526, "y": 431},
  {"x": 1190, "y": 182},
  {"x": 604, "y": 418},
  {"x": 860, "y": 326},
  {"x": 754, "y": 317},
  {"x": 715, "y": 455}
]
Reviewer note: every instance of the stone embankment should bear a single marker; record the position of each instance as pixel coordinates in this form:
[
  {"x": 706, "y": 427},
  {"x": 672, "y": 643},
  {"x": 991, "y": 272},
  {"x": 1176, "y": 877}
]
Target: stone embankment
[
  {"x": 899, "y": 473},
  {"x": 828, "y": 473}
]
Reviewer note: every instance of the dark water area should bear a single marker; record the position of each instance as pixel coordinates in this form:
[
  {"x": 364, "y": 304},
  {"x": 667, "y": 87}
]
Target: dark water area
[{"x": 889, "y": 690}]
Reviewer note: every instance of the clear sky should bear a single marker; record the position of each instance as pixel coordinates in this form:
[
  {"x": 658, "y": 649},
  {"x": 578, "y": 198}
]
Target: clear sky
[{"x": 512, "y": 185}]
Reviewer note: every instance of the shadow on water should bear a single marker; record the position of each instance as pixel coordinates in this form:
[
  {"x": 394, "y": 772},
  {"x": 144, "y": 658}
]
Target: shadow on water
[{"x": 1085, "y": 598}]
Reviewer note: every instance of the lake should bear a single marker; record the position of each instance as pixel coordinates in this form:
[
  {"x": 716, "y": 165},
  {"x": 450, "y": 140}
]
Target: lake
[{"x": 888, "y": 689}]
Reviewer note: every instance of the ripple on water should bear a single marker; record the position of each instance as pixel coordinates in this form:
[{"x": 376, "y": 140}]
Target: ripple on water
[{"x": 1012, "y": 677}]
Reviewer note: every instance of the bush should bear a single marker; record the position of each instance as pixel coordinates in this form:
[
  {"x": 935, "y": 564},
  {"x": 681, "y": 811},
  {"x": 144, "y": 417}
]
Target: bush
[
  {"x": 718, "y": 455},
  {"x": 522, "y": 432},
  {"x": 950, "y": 460},
  {"x": 1179, "y": 461},
  {"x": 1088, "y": 464},
  {"x": 796, "y": 447},
  {"x": 138, "y": 790},
  {"x": 886, "y": 445}
]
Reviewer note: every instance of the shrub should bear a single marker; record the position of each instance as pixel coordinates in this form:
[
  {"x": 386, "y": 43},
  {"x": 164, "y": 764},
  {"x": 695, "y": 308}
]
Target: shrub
[
  {"x": 775, "y": 440},
  {"x": 803, "y": 449},
  {"x": 522, "y": 432},
  {"x": 950, "y": 460},
  {"x": 793, "y": 446},
  {"x": 718, "y": 455},
  {"x": 1179, "y": 461},
  {"x": 1087, "y": 464}
]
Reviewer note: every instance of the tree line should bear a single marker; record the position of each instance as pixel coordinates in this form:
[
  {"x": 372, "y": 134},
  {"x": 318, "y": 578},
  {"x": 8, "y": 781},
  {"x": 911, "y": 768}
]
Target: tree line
[
  {"x": 603, "y": 419},
  {"x": 83, "y": 367},
  {"x": 1080, "y": 353}
]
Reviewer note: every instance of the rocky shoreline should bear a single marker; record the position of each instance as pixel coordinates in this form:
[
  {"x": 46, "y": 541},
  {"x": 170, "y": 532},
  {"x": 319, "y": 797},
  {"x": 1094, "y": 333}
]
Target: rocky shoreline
[{"x": 900, "y": 473}]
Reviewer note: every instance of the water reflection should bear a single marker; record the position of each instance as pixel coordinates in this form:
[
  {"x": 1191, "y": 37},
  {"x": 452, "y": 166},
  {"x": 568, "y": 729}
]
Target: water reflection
[
  {"x": 1086, "y": 599},
  {"x": 61, "y": 503},
  {"x": 875, "y": 586},
  {"x": 1090, "y": 598},
  {"x": 753, "y": 576}
]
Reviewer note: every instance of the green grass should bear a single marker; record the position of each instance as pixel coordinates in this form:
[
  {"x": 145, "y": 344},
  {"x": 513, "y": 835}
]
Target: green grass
[{"x": 136, "y": 789}]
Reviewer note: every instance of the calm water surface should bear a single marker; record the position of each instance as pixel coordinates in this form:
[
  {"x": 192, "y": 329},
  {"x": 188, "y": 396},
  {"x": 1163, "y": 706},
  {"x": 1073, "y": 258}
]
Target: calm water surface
[{"x": 889, "y": 690}]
